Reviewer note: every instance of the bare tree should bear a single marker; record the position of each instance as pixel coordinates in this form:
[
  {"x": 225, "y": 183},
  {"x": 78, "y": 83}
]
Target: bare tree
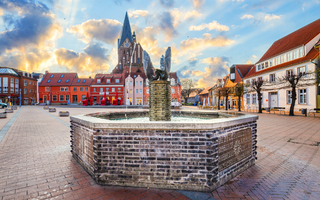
[
  {"x": 218, "y": 93},
  {"x": 225, "y": 91},
  {"x": 239, "y": 90},
  {"x": 257, "y": 87},
  {"x": 187, "y": 85}
]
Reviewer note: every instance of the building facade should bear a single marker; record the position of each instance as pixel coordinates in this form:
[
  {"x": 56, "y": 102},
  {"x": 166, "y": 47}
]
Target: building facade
[{"x": 294, "y": 54}]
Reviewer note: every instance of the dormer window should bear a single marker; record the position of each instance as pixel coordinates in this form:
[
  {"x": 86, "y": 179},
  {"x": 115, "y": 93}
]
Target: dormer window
[
  {"x": 98, "y": 80},
  {"x": 266, "y": 64},
  {"x": 51, "y": 76},
  {"x": 62, "y": 76},
  {"x": 59, "y": 80},
  {"x": 117, "y": 80},
  {"x": 259, "y": 67},
  {"x": 232, "y": 76},
  {"x": 78, "y": 81},
  {"x": 108, "y": 80},
  {"x": 84, "y": 81},
  {"x": 48, "y": 81},
  {"x": 67, "y": 81}
]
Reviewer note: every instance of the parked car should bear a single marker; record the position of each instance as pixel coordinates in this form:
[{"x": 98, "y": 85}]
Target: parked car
[{"x": 3, "y": 105}]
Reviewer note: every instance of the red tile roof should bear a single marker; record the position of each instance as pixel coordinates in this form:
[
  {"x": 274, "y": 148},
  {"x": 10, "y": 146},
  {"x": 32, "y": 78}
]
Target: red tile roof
[
  {"x": 104, "y": 78},
  {"x": 66, "y": 80},
  {"x": 299, "y": 37},
  {"x": 82, "y": 82},
  {"x": 205, "y": 91},
  {"x": 310, "y": 56},
  {"x": 243, "y": 69}
]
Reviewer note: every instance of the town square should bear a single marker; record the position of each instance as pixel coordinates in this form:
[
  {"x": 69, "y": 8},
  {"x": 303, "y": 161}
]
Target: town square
[{"x": 168, "y": 99}]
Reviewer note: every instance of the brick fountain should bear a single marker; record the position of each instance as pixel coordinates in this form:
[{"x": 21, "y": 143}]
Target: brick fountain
[{"x": 201, "y": 152}]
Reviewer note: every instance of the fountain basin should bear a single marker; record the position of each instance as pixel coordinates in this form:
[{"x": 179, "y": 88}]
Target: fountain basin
[{"x": 183, "y": 155}]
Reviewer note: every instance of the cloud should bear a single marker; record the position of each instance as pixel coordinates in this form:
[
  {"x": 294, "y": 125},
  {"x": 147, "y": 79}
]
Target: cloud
[
  {"x": 217, "y": 67},
  {"x": 93, "y": 60},
  {"x": 192, "y": 15},
  {"x": 1, "y": 12},
  {"x": 206, "y": 40},
  {"x": 138, "y": 13},
  {"x": 246, "y": 16},
  {"x": 106, "y": 30},
  {"x": 214, "y": 25},
  {"x": 33, "y": 26},
  {"x": 167, "y": 3},
  {"x": 249, "y": 62},
  {"x": 269, "y": 17},
  {"x": 192, "y": 62},
  {"x": 197, "y": 3},
  {"x": 166, "y": 24}
]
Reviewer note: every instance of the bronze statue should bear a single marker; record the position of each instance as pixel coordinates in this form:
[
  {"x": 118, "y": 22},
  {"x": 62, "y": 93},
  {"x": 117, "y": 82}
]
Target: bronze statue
[{"x": 165, "y": 65}]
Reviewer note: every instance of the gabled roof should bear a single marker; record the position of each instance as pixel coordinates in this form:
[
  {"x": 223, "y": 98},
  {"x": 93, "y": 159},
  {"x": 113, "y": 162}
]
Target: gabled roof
[
  {"x": 175, "y": 76},
  {"x": 104, "y": 78},
  {"x": 65, "y": 80},
  {"x": 82, "y": 81},
  {"x": 299, "y": 37},
  {"x": 126, "y": 31},
  {"x": 205, "y": 91},
  {"x": 193, "y": 94},
  {"x": 310, "y": 56},
  {"x": 241, "y": 71}
]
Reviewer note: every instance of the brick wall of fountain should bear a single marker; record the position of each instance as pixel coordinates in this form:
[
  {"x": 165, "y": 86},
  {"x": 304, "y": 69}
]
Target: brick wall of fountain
[
  {"x": 160, "y": 101},
  {"x": 201, "y": 158}
]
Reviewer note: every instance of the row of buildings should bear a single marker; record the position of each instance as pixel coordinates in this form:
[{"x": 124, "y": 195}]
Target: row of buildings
[
  {"x": 294, "y": 54},
  {"x": 127, "y": 82}
]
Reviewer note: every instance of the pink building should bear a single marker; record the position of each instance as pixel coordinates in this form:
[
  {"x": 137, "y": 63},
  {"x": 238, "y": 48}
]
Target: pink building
[{"x": 134, "y": 89}]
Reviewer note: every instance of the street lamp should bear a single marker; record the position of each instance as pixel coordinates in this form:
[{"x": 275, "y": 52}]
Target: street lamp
[{"x": 20, "y": 98}]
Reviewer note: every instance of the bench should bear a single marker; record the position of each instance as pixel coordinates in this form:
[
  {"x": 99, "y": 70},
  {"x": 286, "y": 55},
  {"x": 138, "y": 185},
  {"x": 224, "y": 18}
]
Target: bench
[
  {"x": 274, "y": 109},
  {"x": 64, "y": 113},
  {"x": 314, "y": 111},
  {"x": 8, "y": 110},
  {"x": 45, "y": 107},
  {"x": 3, "y": 115},
  {"x": 52, "y": 109}
]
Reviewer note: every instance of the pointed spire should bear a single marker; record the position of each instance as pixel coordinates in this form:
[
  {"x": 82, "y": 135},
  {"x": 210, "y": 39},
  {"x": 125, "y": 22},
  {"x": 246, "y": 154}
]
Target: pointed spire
[{"x": 126, "y": 30}]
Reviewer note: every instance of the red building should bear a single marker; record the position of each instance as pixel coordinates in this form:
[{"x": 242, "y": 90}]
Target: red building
[
  {"x": 80, "y": 87},
  {"x": 55, "y": 88},
  {"x": 112, "y": 84}
]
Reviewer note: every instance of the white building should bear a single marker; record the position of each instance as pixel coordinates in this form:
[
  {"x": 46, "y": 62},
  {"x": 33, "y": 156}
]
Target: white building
[{"x": 295, "y": 54}]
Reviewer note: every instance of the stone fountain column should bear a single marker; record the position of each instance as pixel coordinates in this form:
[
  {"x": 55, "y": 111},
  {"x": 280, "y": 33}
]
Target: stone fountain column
[{"x": 160, "y": 101}]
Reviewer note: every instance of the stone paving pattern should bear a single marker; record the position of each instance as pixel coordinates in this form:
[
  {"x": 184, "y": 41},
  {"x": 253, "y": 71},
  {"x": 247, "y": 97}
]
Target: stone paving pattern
[{"x": 36, "y": 163}]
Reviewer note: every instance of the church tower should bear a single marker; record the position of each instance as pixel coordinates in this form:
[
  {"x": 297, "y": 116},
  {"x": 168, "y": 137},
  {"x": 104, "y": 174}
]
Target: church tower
[{"x": 126, "y": 44}]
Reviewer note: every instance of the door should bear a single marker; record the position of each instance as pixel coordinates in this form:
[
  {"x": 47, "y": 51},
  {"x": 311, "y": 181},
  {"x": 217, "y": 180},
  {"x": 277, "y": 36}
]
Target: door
[
  {"x": 45, "y": 99},
  {"x": 274, "y": 99},
  {"x": 74, "y": 99}
]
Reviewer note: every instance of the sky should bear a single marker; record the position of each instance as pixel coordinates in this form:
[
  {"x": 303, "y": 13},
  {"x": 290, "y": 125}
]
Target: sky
[{"x": 206, "y": 36}]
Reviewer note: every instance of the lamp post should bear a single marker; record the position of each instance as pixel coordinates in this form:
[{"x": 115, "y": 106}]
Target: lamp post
[{"x": 20, "y": 98}]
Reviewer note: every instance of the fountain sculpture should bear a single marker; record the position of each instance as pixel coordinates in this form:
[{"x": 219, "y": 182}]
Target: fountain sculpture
[{"x": 200, "y": 151}]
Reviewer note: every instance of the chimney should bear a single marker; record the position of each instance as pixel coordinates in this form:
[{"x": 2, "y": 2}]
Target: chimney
[{"x": 47, "y": 72}]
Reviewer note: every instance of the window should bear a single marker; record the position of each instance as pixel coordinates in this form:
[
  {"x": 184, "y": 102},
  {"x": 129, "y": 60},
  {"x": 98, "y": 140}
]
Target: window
[
  {"x": 272, "y": 78},
  {"x": 62, "y": 76},
  {"x": 26, "y": 82},
  {"x": 301, "y": 52},
  {"x": 67, "y": 97},
  {"x": 259, "y": 79},
  {"x": 117, "y": 80},
  {"x": 62, "y": 89},
  {"x": 29, "y": 90},
  {"x": 259, "y": 67},
  {"x": 254, "y": 98},
  {"x": 98, "y": 80},
  {"x": 288, "y": 56},
  {"x": 266, "y": 64},
  {"x": 147, "y": 91},
  {"x": 140, "y": 82},
  {"x": 86, "y": 89},
  {"x": 253, "y": 81},
  {"x": 172, "y": 90},
  {"x": 108, "y": 80},
  {"x": 84, "y": 97},
  {"x": 295, "y": 54},
  {"x": 51, "y": 76},
  {"x": 282, "y": 59},
  {"x": 140, "y": 91},
  {"x": 47, "y": 89},
  {"x": 130, "y": 91},
  {"x": 66, "y": 89},
  {"x": 262, "y": 66},
  {"x": 130, "y": 82},
  {"x": 107, "y": 89},
  {"x": 136, "y": 82},
  {"x": 289, "y": 97},
  {"x": 67, "y": 81},
  {"x": 147, "y": 82},
  {"x": 113, "y": 89},
  {"x": 270, "y": 63},
  {"x": 54, "y": 97},
  {"x": 303, "y": 96},
  {"x": 61, "y": 97},
  {"x": 101, "y": 89},
  {"x": 59, "y": 80},
  {"x": 232, "y": 76},
  {"x": 119, "y": 89},
  {"x": 289, "y": 73},
  {"x": 83, "y": 81},
  {"x": 81, "y": 89},
  {"x": 48, "y": 81},
  {"x": 137, "y": 91},
  {"x": 25, "y": 90},
  {"x": 248, "y": 98},
  {"x": 74, "y": 89},
  {"x": 94, "y": 89},
  {"x": 301, "y": 71},
  {"x": 78, "y": 81}
]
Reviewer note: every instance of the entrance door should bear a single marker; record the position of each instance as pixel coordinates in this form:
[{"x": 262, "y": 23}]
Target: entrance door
[
  {"x": 274, "y": 99},
  {"x": 74, "y": 99},
  {"x": 45, "y": 99}
]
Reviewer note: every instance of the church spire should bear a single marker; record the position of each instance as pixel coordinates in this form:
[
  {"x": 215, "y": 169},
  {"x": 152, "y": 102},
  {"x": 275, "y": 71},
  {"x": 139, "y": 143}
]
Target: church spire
[{"x": 126, "y": 31}]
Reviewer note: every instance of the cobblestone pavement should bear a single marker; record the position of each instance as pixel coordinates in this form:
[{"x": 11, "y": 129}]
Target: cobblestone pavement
[
  {"x": 36, "y": 163},
  {"x": 288, "y": 161}
]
